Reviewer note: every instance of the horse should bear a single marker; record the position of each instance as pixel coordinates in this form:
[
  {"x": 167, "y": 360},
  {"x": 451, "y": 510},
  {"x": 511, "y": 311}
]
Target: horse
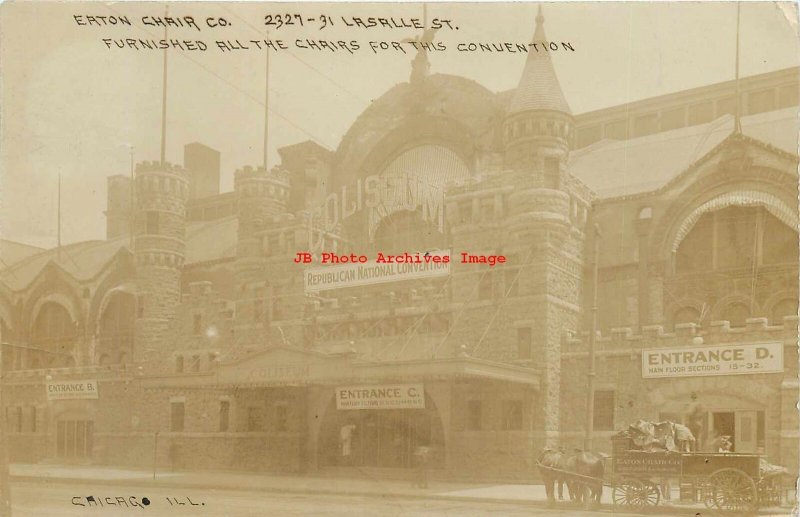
[
  {"x": 589, "y": 465},
  {"x": 553, "y": 459}
]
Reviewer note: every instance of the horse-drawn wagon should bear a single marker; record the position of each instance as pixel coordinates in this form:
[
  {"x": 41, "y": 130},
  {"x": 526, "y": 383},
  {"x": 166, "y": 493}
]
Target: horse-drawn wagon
[
  {"x": 722, "y": 480},
  {"x": 636, "y": 470},
  {"x": 725, "y": 481}
]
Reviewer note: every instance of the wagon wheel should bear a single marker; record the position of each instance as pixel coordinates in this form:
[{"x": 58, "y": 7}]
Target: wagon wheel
[
  {"x": 733, "y": 490},
  {"x": 650, "y": 494},
  {"x": 624, "y": 492},
  {"x": 635, "y": 493}
]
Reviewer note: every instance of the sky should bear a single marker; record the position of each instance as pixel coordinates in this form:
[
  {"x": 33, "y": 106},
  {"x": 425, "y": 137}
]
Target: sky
[{"x": 74, "y": 108}]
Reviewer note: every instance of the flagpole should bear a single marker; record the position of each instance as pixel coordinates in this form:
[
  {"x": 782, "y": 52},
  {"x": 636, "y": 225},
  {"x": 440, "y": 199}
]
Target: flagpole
[
  {"x": 164, "y": 100},
  {"x": 738, "y": 116},
  {"x": 266, "y": 112},
  {"x": 131, "y": 211},
  {"x": 58, "y": 223}
]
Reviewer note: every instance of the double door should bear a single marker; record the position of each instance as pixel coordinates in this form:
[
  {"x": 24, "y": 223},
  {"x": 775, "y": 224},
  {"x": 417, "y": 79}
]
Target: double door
[
  {"x": 74, "y": 439},
  {"x": 742, "y": 426}
]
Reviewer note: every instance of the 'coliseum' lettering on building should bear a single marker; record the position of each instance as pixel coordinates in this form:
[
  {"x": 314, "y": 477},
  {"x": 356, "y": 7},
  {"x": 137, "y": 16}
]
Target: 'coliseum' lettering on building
[{"x": 279, "y": 371}]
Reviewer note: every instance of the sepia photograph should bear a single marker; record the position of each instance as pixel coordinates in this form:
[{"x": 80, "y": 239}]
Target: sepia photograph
[{"x": 399, "y": 258}]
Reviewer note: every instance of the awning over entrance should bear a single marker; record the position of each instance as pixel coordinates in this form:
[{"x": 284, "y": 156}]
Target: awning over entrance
[{"x": 284, "y": 366}]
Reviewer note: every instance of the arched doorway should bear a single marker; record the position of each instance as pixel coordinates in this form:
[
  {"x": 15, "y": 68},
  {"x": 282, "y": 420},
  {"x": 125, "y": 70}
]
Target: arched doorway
[{"x": 383, "y": 438}]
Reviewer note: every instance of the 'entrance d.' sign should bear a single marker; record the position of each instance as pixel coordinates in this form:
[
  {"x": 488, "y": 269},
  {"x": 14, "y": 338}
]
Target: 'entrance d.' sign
[{"x": 732, "y": 359}]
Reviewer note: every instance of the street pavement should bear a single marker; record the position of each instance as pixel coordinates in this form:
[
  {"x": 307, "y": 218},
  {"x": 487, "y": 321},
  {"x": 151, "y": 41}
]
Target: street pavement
[
  {"x": 302, "y": 491},
  {"x": 45, "y": 499}
]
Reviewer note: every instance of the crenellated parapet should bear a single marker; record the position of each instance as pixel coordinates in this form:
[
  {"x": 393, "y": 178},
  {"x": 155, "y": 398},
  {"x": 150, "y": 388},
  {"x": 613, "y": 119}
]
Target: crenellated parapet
[
  {"x": 257, "y": 182},
  {"x": 623, "y": 339},
  {"x": 261, "y": 194},
  {"x": 163, "y": 187},
  {"x": 531, "y": 135}
]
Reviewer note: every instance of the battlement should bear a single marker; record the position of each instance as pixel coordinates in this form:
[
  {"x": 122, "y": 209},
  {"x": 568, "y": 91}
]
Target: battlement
[
  {"x": 276, "y": 174},
  {"x": 166, "y": 167},
  {"x": 537, "y": 124},
  {"x": 718, "y": 332}
]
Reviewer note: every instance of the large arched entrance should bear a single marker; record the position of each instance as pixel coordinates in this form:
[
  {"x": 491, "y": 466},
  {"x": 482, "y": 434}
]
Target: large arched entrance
[{"x": 383, "y": 438}]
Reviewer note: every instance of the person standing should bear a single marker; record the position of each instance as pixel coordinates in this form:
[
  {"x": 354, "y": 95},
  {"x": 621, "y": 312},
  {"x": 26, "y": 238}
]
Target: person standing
[
  {"x": 422, "y": 456},
  {"x": 696, "y": 422},
  {"x": 346, "y": 443}
]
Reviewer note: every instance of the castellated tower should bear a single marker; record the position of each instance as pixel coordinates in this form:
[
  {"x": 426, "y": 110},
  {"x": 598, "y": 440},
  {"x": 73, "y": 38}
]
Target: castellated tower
[
  {"x": 545, "y": 218},
  {"x": 262, "y": 195},
  {"x": 159, "y": 246}
]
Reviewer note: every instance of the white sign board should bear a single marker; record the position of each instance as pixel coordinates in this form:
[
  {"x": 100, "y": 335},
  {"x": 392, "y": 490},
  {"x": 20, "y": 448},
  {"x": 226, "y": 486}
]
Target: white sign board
[
  {"x": 384, "y": 396},
  {"x": 66, "y": 390},
  {"x": 373, "y": 272},
  {"x": 698, "y": 361}
]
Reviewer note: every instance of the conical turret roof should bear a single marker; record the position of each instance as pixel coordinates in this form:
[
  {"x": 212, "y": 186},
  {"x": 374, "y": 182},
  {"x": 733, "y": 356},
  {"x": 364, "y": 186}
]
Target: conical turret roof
[{"x": 538, "y": 87}]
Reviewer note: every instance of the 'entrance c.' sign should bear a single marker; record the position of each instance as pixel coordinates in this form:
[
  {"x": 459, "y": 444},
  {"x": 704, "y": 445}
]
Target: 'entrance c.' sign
[{"x": 384, "y": 396}]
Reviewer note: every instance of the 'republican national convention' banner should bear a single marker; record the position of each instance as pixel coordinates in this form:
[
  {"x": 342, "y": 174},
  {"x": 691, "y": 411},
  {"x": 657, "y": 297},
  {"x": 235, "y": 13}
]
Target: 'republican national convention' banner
[
  {"x": 373, "y": 272},
  {"x": 698, "y": 361}
]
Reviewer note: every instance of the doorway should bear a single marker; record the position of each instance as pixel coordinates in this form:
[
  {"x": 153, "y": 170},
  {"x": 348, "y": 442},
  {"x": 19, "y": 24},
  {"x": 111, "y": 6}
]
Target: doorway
[
  {"x": 385, "y": 438},
  {"x": 745, "y": 429},
  {"x": 74, "y": 439}
]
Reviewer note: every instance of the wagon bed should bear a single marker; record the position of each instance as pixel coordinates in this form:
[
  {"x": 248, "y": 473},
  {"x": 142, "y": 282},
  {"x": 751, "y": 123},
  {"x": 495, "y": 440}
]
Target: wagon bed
[{"x": 725, "y": 481}]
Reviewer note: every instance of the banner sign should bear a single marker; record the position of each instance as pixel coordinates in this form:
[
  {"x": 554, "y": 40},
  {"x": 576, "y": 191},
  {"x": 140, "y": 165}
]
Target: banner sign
[
  {"x": 653, "y": 463},
  {"x": 372, "y": 272},
  {"x": 66, "y": 390},
  {"x": 384, "y": 396},
  {"x": 730, "y": 359}
]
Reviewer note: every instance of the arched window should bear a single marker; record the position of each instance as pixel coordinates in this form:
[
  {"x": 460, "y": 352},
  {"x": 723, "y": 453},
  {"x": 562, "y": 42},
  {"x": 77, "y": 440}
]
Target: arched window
[
  {"x": 785, "y": 307},
  {"x": 736, "y": 314},
  {"x": 779, "y": 245},
  {"x": 53, "y": 336},
  {"x": 736, "y": 237},
  {"x": 116, "y": 326},
  {"x": 10, "y": 353}
]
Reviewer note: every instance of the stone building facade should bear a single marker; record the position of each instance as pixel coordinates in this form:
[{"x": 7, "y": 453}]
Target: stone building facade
[{"x": 208, "y": 350}]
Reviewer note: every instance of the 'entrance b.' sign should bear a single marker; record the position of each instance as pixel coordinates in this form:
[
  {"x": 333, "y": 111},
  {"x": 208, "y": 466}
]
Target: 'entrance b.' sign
[{"x": 64, "y": 390}]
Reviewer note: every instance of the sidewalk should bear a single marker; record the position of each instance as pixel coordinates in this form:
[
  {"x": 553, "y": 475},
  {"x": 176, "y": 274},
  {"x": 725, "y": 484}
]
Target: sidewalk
[{"x": 366, "y": 486}]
